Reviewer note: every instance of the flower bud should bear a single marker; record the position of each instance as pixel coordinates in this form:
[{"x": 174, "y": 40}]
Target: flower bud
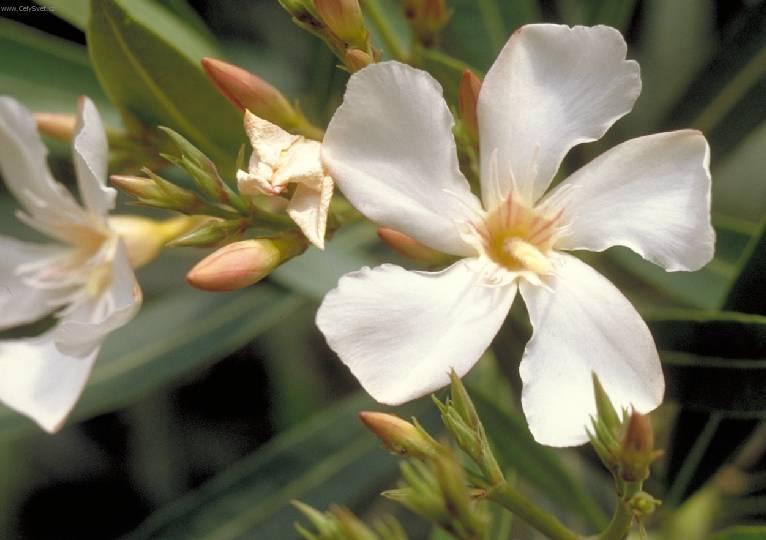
[
  {"x": 203, "y": 171},
  {"x": 351, "y": 526},
  {"x": 357, "y": 59},
  {"x": 427, "y": 17},
  {"x": 398, "y": 435},
  {"x": 637, "y": 451},
  {"x": 468, "y": 97},
  {"x": 212, "y": 232},
  {"x": 157, "y": 192},
  {"x": 299, "y": 9},
  {"x": 247, "y": 91},
  {"x": 242, "y": 264},
  {"x": 144, "y": 237},
  {"x": 643, "y": 505},
  {"x": 344, "y": 19},
  {"x": 59, "y": 126},
  {"x": 409, "y": 247}
]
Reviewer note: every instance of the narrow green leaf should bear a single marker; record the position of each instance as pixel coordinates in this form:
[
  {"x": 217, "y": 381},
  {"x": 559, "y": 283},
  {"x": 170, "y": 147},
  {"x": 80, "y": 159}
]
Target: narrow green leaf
[
  {"x": 725, "y": 100},
  {"x": 75, "y": 12},
  {"x": 704, "y": 289},
  {"x": 739, "y": 190},
  {"x": 615, "y": 13},
  {"x": 741, "y": 533},
  {"x": 494, "y": 25},
  {"x": 747, "y": 293},
  {"x": 169, "y": 339},
  {"x": 46, "y": 73},
  {"x": 714, "y": 361},
  {"x": 148, "y": 61},
  {"x": 477, "y": 30},
  {"x": 328, "y": 460},
  {"x": 676, "y": 42}
]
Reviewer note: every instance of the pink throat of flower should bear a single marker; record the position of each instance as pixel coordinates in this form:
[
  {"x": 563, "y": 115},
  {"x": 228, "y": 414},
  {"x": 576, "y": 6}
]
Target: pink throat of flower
[{"x": 519, "y": 238}]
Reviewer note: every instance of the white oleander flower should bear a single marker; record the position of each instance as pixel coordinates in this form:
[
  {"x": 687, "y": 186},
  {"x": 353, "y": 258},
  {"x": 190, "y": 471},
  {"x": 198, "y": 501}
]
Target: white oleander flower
[
  {"x": 84, "y": 278},
  {"x": 390, "y": 149},
  {"x": 279, "y": 159}
]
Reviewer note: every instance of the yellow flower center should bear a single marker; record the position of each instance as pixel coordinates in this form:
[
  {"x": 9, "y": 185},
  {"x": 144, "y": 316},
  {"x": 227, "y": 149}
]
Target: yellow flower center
[{"x": 518, "y": 237}]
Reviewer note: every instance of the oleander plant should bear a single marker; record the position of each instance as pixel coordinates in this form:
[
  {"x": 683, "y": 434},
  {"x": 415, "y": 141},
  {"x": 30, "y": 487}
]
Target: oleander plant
[{"x": 383, "y": 269}]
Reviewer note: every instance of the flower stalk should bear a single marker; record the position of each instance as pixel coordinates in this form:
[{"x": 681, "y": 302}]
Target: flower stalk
[{"x": 506, "y": 496}]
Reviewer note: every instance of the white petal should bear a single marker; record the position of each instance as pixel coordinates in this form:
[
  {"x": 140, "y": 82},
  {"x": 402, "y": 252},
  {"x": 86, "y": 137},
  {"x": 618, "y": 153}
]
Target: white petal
[
  {"x": 308, "y": 208},
  {"x": 583, "y": 324},
  {"x": 24, "y": 167},
  {"x": 552, "y": 87},
  {"x": 83, "y": 328},
  {"x": 390, "y": 149},
  {"x": 20, "y": 303},
  {"x": 401, "y": 332},
  {"x": 91, "y": 155},
  {"x": 40, "y": 381},
  {"x": 268, "y": 140},
  {"x": 301, "y": 164},
  {"x": 651, "y": 194}
]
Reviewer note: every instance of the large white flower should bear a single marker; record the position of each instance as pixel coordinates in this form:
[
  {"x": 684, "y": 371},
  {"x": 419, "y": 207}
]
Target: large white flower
[
  {"x": 390, "y": 149},
  {"x": 85, "y": 278}
]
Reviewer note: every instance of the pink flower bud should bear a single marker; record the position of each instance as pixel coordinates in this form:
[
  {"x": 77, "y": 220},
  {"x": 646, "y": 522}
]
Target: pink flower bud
[
  {"x": 409, "y": 247},
  {"x": 248, "y": 91},
  {"x": 243, "y": 263},
  {"x": 398, "y": 435},
  {"x": 468, "y": 97},
  {"x": 59, "y": 126}
]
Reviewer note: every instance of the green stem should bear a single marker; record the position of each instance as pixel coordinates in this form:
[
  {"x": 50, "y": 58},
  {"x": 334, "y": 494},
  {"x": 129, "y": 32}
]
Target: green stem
[
  {"x": 390, "y": 39},
  {"x": 309, "y": 130},
  {"x": 493, "y": 22},
  {"x": 506, "y": 496},
  {"x": 732, "y": 93},
  {"x": 622, "y": 519},
  {"x": 445, "y": 60}
]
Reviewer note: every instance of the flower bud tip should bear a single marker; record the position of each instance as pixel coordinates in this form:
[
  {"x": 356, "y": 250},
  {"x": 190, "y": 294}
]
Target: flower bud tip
[
  {"x": 248, "y": 91},
  {"x": 59, "y": 126},
  {"x": 398, "y": 435},
  {"x": 344, "y": 19},
  {"x": 409, "y": 247},
  {"x": 357, "y": 59},
  {"x": 468, "y": 97}
]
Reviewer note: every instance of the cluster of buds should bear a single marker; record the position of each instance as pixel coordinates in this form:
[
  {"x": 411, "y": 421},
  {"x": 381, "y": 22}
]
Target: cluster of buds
[
  {"x": 226, "y": 210},
  {"x": 221, "y": 218},
  {"x": 341, "y": 524},
  {"x": 340, "y": 24},
  {"x": 427, "y": 18},
  {"x": 625, "y": 444},
  {"x": 435, "y": 484},
  {"x": 461, "y": 419},
  {"x": 438, "y": 490}
]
